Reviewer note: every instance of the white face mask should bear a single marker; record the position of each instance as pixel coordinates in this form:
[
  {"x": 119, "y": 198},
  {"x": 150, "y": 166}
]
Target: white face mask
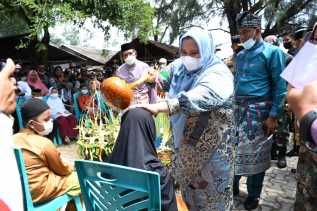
[
  {"x": 54, "y": 95},
  {"x": 249, "y": 43},
  {"x": 84, "y": 91},
  {"x": 130, "y": 60},
  {"x": 48, "y": 128},
  {"x": 191, "y": 63}
]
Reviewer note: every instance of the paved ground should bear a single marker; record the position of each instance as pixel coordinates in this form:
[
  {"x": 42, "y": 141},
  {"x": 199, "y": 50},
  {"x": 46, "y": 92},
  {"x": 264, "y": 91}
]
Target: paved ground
[
  {"x": 279, "y": 184},
  {"x": 279, "y": 189}
]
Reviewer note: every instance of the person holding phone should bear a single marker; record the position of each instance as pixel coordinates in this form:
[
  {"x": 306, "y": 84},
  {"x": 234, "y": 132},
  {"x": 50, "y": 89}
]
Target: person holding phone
[
  {"x": 11, "y": 197},
  {"x": 303, "y": 102}
]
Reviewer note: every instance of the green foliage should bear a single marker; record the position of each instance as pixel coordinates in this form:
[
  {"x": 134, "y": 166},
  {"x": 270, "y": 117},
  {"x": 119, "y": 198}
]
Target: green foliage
[
  {"x": 130, "y": 16},
  {"x": 133, "y": 17},
  {"x": 41, "y": 15},
  {"x": 11, "y": 23}
]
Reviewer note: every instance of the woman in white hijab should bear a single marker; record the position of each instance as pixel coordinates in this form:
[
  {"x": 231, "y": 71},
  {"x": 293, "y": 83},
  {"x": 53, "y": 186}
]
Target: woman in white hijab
[{"x": 65, "y": 120}]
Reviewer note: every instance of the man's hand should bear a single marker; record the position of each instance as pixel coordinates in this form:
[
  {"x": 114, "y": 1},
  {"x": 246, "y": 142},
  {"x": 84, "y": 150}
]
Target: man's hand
[
  {"x": 303, "y": 101},
  {"x": 152, "y": 75},
  {"x": 271, "y": 125},
  {"x": 7, "y": 88},
  {"x": 144, "y": 78}
]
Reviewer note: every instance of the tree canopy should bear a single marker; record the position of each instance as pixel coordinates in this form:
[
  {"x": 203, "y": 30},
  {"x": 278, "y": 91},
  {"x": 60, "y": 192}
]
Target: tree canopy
[
  {"x": 279, "y": 16},
  {"x": 133, "y": 17},
  {"x": 175, "y": 15}
]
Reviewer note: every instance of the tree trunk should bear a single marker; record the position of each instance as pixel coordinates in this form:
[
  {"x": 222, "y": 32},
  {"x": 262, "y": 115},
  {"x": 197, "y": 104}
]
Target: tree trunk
[
  {"x": 42, "y": 48},
  {"x": 155, "y": 37},
  {"x": 232, "y": 8},
  {"x": 245, "y": 4}
]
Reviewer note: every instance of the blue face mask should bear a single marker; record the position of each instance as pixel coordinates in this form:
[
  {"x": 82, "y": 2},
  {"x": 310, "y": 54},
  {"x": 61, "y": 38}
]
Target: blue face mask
[{"x": 249, "y": 43}]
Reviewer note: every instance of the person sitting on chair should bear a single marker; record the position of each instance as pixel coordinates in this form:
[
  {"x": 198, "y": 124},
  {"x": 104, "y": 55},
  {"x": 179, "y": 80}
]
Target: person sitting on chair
[
  {"x": 65, "y": 120},
  {"x": 135, "y": 148},
  {"x": 49, "y": 177}
]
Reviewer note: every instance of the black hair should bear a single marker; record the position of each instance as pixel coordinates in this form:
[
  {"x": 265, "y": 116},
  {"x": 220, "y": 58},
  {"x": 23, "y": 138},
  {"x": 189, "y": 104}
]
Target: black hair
[
  {"x": 235, "y": 39},
  {"x": 299, "y": 34}
]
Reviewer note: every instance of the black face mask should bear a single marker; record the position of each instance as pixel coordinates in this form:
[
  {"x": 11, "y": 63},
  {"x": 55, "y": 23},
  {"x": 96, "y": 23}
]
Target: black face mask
[{"x": 288, "y": 45}]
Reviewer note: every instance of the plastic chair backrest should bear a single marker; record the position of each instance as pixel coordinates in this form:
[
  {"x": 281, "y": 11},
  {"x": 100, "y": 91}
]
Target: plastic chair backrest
[
  {"x": 27, "y": 198},
  {"x": 76, "y": 106},
  {"x": 19, "y": 102},
  {"x": 28, "y": 204},
  {"x": 106, "y": 186}
]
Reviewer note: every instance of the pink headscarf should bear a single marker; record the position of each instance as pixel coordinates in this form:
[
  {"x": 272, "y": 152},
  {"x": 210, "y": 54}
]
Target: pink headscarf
[{"x": 38, "y": 84}]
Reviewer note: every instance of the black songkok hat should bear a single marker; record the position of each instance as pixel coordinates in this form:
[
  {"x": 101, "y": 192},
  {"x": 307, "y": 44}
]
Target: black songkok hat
[
  {"x": 248, "y": 20},
  {"x": 32, "y": 108},
  {"x": 299, "y": 34},
  {"x": 127, "y": 46}
]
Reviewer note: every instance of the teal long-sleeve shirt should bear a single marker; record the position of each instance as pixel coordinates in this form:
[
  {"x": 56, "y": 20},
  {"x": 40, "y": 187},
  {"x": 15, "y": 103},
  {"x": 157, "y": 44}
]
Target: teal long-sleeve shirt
[{"x": 258, "y": 74}]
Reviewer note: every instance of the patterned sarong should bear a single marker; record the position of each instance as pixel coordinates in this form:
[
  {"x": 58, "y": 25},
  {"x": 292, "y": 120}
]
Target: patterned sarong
[{"x": 253, "y": 151}]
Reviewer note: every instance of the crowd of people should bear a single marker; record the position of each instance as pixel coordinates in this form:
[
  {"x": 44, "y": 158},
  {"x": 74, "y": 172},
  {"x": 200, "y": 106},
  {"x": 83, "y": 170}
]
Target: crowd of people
[
  {"x": 226, "y": 123},
  {"x": 57, "y": 87}
]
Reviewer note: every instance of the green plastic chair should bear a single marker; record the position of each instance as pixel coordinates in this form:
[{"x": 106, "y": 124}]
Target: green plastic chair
[
  {"x": 110, "y": 187},
  {"x": 53, "y": 204},
  {"x": 76, "y": 106}
]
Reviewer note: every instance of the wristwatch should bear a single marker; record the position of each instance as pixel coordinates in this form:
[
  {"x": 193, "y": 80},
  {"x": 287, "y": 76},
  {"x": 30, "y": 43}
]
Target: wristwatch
[{"x": 305, "y": 130}]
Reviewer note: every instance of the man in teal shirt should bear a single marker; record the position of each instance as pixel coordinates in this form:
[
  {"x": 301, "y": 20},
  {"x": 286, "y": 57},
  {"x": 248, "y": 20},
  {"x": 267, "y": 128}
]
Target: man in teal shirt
[{"x": 259, "y": 95}]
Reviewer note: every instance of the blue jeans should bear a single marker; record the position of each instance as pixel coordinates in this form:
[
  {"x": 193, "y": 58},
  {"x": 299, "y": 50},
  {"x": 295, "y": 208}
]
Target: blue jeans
[{"x": 254, "y": 184}]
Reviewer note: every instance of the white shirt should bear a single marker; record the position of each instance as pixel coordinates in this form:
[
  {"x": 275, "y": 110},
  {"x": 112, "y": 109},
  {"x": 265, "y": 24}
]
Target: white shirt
[
  {"x": 25, "y": 88},
  {"x": 10, "y": 183}
]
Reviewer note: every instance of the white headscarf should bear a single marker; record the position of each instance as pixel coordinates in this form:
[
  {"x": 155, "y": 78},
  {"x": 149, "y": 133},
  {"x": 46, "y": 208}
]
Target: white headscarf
[{"x": 56, "y": 104}]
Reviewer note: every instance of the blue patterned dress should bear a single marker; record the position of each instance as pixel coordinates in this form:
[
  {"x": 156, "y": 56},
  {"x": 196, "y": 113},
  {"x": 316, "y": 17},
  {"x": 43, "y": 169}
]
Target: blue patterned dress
[
  {"x": 202, "y": 120},
  {"x": 205, "y": 171}
]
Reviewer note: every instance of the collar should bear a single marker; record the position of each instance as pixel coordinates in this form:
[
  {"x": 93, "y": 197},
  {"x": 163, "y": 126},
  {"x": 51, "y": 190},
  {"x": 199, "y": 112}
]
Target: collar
[{"x": 27, "y": 131}]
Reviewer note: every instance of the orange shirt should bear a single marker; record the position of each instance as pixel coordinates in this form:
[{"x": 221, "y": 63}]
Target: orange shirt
[
  {"x": 84, "y": 102},
  {"x": 46, "y": 171}
]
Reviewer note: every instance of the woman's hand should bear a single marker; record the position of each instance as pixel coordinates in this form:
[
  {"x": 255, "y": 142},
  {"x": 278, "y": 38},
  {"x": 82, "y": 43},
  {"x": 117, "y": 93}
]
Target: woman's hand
[{"x": 153, "y": 108}]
